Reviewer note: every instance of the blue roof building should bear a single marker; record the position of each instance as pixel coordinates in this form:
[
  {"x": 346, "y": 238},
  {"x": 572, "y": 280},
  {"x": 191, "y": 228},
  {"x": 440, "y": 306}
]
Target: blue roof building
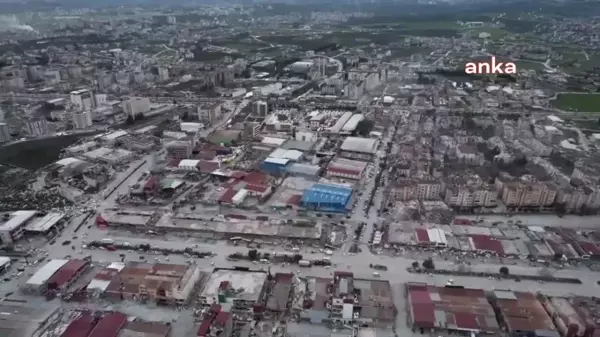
[{"x": 329, "y": 198}]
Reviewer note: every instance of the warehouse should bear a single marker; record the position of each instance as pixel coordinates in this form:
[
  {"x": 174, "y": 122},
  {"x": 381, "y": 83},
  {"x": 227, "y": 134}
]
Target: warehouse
[
  {"x": 188, "y": 165},
  {"x": 45, "y": 224},
  {"x": 14, "y": 225},
  {"x": 109, "y": 325},
  {"x": 327, "y": 197},
  {"x": 359, "y": 148},
  {"x": 274, "y": 165},
  {"x": 38, "y": 281},
  {"x": 22, "y": 319},
  {"x": 352, "y": 123},
  {"x": 522, "y": 314},
  {"x": 293, "y": 155},
  {"x": 145, "y": 329},
  {"x": 346, "y": 169},
  {"x": 339, "y": 124},
  {"x": 307, "y": 171},
  {"x": 81, "y": 326},
  {"x": 449, "y": 309},
  {"x": 67, "y": 274}
]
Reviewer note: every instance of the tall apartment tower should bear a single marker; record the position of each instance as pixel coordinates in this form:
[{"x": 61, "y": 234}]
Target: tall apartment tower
[{"x": 82, "y": 120}]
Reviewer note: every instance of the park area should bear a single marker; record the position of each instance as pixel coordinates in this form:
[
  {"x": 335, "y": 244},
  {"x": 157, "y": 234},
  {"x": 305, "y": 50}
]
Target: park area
[{"x": 584, "y": 102}]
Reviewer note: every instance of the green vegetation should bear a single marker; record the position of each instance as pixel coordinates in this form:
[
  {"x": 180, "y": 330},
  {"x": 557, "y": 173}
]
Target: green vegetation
[{"x": 577, "y": 102}]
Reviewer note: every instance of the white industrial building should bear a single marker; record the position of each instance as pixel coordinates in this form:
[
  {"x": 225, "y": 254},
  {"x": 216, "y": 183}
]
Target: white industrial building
[
  {"x": 239, "y": 197},
  {"x": 113, "y": 137},
  {"x": 189, "y": 127},
  {"x": 359, "y": 148},
  {"x": 337, "y": 127},
  {"x": 41, "y": 277},
  {"x": 293, "y": 155},
  {"x": 12, "y": 228},
  {"x": 188, "y": 165},
  {"x": 353, "y": 122},
  {"x": 45, "y": 224}
]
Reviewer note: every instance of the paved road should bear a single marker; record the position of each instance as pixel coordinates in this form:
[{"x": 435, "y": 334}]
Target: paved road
[{"x": 570, "y": 221}]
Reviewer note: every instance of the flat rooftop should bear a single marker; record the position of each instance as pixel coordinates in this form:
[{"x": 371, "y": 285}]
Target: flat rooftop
[
  {"x": 453, "y": 308},
  {"x": 251, "y": 282}
]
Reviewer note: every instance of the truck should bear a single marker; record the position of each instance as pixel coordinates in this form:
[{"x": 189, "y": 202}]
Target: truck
[{"x": 304, "y": 263}]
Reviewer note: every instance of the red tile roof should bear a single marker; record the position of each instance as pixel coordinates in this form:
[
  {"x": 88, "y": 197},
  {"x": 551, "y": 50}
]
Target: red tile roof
[
  {"x": 453, "y": 308},
  {"x": 422, "y": 235},
  {"x": 466, "y": 320},
  {"x": 66, "y": 273},
  {"x": 228, "y": 195},
  {"x": 80, "y": 327},
  {"x": 221, "y": 319},
  {"x": 294, "y": 200},
  {"x": 257, "y": 178},
  {"x": 340, "y": 170},
  {"x": 207, "y": 166},
  {"x": 203, "y": 329},
  {"x": 525, "y": 313},
  {"x": 174, "y": 163},
  {"x": 109, "y": 325},
  {"x": 487, "y": 243},
  {"x": 590, "y": 248},
  {"x": 151, "y": 183},
  {"x": 256, "y": 188}
]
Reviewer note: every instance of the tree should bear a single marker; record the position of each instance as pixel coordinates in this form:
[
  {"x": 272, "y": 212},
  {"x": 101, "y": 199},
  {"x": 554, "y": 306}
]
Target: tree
[
  {"x": 415, "y": 265},
  {"x": 139, "y": 116},
  {"x": 129, "y": 120},
  {"x": 297, "y": 258},
  {"x": 504, "y": 271},
  {"x": 253, "y": 254},
  {"x": 428, "y": 264}
]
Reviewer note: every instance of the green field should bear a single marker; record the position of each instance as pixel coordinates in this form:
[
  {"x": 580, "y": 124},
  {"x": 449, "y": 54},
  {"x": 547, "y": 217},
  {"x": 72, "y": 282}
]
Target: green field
[{"x": 577, "y": 102}]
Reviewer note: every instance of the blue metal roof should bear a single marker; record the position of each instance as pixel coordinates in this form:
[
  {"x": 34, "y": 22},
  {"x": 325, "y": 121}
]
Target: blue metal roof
[{"x": 322, "y": 193}]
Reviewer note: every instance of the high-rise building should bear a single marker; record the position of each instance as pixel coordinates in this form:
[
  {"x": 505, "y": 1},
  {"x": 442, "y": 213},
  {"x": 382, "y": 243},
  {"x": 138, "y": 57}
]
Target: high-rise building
[
  {"x": 260, "y": 108},
  {"x": 163, "y": 74},
  {"x": 38, "y": 127},
  {"x": 82, "y": 120},
  {"x": 135, "y": 106},
  {"x": 4, "y": 133},
  {"x": 83, "y": 99}
]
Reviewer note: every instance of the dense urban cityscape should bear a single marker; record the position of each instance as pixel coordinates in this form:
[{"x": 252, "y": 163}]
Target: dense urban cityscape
[{"x": 299, "y": 169}]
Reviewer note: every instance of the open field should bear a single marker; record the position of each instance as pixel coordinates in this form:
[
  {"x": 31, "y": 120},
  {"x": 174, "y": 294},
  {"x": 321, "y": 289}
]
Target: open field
[{"x": 577, "y": 102}]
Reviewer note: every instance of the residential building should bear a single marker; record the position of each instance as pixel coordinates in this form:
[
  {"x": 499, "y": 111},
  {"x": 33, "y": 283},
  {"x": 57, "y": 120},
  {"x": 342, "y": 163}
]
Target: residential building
[
  {"x": 526, "y": 192},
  {"x": 209, "y": 113},
  {"x": 5, "y": 133},
  {"x": 38, "y": 127},
  {"x": 83, "y": 99},
  {"x": 179, "y": 150},
  {"x": 82, "y": 120},
  {"x": 135, "y": 106},
  {"x": 466, "y": 196},
  {"x": 260, "y": 108}
]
